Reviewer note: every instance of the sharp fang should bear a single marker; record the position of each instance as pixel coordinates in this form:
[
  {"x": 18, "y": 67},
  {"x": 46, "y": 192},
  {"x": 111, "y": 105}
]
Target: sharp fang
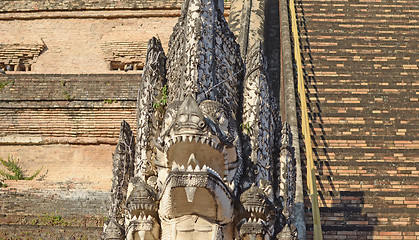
[
  {"x": 190, "y": 168},
  {"x": 182, "y": 168},
  {"x": 184, "y": 138},
  {"x": 202, "y": 140},
  {"x": 196, "y": 139},
  {"x": 190, "y": 193},
  {"x": 192, "y": 159},
  {"x": 190, "y": 138},
  {"x": 174, "y": 166},
  {"x": 232, "y": 185},
  {"x": 197, "y": 169},
  {"x": 224, "y": 151},
  {"x": 141, "y": 234},
  {"x": 204, "y": 168}
]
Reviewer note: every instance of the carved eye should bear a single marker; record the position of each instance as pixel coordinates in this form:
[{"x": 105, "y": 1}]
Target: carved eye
[
  {"x": 201, "y": 124},
  {"x": 222, "y": 120},
  {"x": 183, "y": 118},
  {"x": 195, "y": 118}
]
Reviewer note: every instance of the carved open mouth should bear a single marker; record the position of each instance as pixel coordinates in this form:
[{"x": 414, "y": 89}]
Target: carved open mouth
[
  {"x": 142, "y": 210},
  {"x": 197, "y": 154},
  {"x": 198, "y": 191},
  {"x": 256, "y": 211}
]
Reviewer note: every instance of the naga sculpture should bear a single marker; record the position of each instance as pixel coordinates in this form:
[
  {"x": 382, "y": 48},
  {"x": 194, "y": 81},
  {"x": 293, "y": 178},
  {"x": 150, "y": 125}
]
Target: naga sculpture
[{"x": 211, "y": 159}]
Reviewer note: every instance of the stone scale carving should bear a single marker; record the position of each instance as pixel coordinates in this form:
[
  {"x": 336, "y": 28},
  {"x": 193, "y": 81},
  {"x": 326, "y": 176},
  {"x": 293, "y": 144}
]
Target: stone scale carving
[{"x": 210, "y": 160}]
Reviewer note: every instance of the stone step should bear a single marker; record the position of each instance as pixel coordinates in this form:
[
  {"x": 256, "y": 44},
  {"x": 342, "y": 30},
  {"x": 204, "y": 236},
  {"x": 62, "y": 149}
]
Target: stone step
[
  {"x": 13, "y": 231},
  {"x": 367, "y": 183}
]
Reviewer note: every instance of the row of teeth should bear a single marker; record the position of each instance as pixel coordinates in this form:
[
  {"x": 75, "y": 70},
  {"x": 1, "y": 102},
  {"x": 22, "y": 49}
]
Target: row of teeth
[
  {"x": 143, "y": 207},
  {"x": 176, "y": 167},
  {"x": 253, "y": 220},
  {"x": 255, "y": 209},
  {"x": 196, "y": 139},
  {"x": 142, "y": 218}
]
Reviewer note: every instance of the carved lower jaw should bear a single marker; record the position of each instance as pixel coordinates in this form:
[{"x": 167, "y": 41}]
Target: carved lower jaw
[
  {"x": 200, "y": 192},
  {"x": 142, "y": 219},
  {"x": 252, "y": 226},
  {"x": 256, "y": 221},
  {"x": 145, "y": 227},
  {"x": 197, "y": 169}
]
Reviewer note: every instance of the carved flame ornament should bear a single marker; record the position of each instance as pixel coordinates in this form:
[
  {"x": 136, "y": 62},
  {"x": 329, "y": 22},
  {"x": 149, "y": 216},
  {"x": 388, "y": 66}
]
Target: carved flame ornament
[{"x": 210, "y": 160}]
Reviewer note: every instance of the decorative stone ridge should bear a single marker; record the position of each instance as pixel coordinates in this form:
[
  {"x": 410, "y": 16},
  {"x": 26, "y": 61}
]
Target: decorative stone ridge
[
  {"x": 125, "y": 55},
  {"x": 211, "y": 161},
  {"x": 19, "y": 57}
]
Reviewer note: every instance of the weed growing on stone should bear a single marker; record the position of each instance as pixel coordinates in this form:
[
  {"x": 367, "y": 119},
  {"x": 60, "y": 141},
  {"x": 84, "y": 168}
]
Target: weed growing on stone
[
  {"x": 161, "y": 103},
  {"x": 247, "y": 127},
  {"x": 54, "y": 219},
  {"x": 66, "y": 95},
  {"x": 14, "y": 171},
  {"x": 4, "y": 84},
  {"x": 110, "y": 101}
]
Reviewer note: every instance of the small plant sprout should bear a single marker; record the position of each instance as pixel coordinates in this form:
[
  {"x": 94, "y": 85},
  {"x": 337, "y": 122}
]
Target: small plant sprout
[
  {"x": 161, "y": 103},
  {"x": 14, "y": 171},
  {"x": 247, "y": 127}
]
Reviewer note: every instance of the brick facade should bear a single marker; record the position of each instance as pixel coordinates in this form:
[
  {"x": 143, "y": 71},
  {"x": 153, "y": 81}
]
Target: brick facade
[{"x": 361, "y": 71}]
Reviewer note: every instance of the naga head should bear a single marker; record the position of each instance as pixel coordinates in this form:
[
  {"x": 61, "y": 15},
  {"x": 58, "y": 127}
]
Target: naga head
[
  {"x": 112, "y": 230},
  {"x": 141, "y": 211},
  {"x": 199, "y": 138}
]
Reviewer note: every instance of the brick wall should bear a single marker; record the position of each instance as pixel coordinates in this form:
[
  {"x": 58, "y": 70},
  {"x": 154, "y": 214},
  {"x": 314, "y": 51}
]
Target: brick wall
[
  {"x": 39, "y": 5},
  {"x": 69, "y": 126},
  {"x": 361, "y": 71},
  {"x": 74, "y": 46}
]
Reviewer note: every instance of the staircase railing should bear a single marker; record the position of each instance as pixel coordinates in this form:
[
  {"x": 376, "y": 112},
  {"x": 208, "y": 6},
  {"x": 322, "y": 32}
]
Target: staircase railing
[{"x": 311, "y": 176}]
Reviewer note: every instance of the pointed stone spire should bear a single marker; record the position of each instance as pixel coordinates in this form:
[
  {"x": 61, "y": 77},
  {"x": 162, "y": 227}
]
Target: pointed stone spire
[{"x": 204, "y": 59}]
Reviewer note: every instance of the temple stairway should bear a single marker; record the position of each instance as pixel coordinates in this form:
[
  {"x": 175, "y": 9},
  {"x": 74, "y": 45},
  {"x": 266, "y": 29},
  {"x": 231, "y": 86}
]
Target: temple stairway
[{"x": 361, "y": 72}]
